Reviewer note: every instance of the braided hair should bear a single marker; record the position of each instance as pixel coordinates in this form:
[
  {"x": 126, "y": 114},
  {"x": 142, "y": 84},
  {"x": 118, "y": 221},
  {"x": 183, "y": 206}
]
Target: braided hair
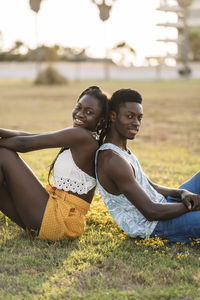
[{"x": 101, "y": 128}]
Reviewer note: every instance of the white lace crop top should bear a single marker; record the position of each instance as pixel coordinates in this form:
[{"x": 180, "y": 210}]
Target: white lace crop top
[{"x": 69, "y": 177}]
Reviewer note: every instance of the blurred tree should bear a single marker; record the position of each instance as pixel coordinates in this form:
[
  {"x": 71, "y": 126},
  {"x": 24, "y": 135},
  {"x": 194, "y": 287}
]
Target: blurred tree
[
  {"x": 50, "y": 76},
  {"x": 20, "y": 52},
  {"x": 1, "y": 40},
  {"x": 2, "y": 54},
  {"x": 123, "y": 54},
  {"x": 16, "y": 48},
  {"x": 185, "y": 70},
  {"x": 73, "y": 54},
  {"x": 15, "y": 53},
  {"x": 194, "y": 44},
  {"x": 46, "y": 53}
]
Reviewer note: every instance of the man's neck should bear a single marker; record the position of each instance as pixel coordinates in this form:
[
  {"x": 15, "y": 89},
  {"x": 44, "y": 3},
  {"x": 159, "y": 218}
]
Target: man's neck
[{"x": 115, "y": 139}]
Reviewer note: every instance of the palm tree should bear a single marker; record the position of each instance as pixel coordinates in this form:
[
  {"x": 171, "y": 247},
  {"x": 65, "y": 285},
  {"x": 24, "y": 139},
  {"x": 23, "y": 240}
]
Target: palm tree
[
  {"x": 104, "y": 7},
  {"x": 184, "y": 3},
  {"x": 35, "y": 6}
]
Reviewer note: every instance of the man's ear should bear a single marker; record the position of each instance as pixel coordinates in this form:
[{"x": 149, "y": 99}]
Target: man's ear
[{"x": 113, "y": 116}]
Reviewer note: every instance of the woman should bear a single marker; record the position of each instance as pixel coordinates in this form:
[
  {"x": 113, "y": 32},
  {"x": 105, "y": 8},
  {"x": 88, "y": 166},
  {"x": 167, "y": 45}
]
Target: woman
[{"x": 57, "y": 212}]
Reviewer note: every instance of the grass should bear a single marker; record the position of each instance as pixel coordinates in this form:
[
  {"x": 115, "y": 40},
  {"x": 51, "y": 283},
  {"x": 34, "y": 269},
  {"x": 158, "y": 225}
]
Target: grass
[{"x": 105, "y": 263}]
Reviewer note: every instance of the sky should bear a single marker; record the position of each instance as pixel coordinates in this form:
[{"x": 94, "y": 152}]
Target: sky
[{"x": 76, "y": 23}]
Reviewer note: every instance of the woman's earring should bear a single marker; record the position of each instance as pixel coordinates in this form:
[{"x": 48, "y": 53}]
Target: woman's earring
[{"x": 97, "y": 130}]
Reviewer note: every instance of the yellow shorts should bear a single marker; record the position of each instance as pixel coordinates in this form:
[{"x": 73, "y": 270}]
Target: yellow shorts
[{"x": 64, "y": 216}]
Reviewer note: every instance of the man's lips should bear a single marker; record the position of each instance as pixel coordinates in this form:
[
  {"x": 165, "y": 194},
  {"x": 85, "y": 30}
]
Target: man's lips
[{"x": 133, "y": 131}]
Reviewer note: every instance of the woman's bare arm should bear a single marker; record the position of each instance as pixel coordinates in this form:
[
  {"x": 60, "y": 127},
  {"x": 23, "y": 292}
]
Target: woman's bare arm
[
  {"x": 55, "y": 139},
  {"x": 5, "y": 133}
]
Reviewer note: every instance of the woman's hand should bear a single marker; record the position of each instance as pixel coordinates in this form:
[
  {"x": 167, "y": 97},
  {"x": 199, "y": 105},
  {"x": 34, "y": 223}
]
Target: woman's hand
[
  {"x": 191, "y": 200},
  {"x": 5, "y": 133}
]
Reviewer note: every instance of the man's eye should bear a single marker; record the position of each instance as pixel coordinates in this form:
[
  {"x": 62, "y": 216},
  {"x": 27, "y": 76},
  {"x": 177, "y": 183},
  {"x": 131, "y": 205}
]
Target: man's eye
[{"x": 129, "y": 116}]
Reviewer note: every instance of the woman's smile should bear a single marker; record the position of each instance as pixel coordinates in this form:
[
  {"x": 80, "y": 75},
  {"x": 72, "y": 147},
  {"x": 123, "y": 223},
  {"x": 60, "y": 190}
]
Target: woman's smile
[{"x": 78, "y": 122}]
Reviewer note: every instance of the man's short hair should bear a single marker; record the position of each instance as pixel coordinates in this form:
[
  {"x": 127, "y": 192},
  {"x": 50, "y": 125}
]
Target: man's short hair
[{"x": 122, "y": 96}]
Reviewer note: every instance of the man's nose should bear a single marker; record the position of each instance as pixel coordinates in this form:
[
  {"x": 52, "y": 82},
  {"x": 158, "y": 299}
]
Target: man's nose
[{"x": 136, "y": 121}]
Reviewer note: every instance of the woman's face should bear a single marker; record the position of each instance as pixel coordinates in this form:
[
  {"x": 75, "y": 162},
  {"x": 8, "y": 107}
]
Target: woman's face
[{"x": 87, "y": 113}]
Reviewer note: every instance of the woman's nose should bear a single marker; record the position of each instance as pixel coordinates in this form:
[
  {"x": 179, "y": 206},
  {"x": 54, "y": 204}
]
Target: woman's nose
[{"x": 80, "y": 113}]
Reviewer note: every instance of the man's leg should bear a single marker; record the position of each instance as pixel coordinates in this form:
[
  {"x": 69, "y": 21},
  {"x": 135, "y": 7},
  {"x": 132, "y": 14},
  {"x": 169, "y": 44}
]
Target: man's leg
[
  {"x": 180, "y": 229},
  {"x": 185, "y": 227},
  {"x": 192, "y": 185}
]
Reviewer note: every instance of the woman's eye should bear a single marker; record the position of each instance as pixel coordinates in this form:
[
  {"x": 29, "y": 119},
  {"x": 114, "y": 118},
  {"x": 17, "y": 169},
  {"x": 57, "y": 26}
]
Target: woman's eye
[
  {"x": 88, "y": 112},
  {"x": 129, "y": 116},
  {"x": 77, "y": 107}
]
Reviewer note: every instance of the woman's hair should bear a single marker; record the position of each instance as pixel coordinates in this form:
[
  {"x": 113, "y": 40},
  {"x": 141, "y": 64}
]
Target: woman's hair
[
  {"x": 98, "y": 94},
  {"x": 101, "y": 128}
]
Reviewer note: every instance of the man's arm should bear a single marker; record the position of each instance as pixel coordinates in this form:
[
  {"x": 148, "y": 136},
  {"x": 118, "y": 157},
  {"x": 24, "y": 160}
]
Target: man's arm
[
  {"x": 191, "y": 200},
  {"x": 120, "y": 172}
]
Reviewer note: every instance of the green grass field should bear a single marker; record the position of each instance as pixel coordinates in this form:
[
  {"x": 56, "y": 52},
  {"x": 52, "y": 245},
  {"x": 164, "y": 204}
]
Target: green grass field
[{"x": 105, "y": 263}]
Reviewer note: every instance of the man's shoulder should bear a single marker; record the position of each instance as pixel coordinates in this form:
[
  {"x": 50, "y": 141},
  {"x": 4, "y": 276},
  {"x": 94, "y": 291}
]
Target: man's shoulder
[{"x": 111, "y": 160}]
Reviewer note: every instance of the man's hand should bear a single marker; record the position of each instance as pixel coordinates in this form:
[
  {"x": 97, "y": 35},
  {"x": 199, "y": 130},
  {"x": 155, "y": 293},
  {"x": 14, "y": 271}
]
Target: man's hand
[{"x": 191, "y": 200}]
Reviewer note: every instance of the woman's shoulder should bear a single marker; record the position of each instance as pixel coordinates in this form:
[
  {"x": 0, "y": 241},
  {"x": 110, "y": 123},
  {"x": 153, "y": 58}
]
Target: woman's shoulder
[
  {"x": 78, "y": 132},
  {"x": 85, "y": 133},
  {"x": 85, "y": 139}
]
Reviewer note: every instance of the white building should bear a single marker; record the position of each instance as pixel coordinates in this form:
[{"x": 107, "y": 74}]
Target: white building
[{"x": 189, "y": 17}]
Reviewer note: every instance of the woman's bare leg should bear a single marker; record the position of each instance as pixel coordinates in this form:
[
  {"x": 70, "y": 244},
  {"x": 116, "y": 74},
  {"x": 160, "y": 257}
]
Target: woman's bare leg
[
  {"x": 24, "y": 199},
  {"x": 8, "y": 208}
]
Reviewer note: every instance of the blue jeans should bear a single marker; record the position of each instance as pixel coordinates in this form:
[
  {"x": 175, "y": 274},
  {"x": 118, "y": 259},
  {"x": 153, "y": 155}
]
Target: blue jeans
[{"x": 185, "y": 227}]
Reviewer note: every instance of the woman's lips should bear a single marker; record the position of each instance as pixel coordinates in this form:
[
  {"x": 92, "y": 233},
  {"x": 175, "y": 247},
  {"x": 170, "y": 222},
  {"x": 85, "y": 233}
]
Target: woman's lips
[{"x": 78, "y": 122}]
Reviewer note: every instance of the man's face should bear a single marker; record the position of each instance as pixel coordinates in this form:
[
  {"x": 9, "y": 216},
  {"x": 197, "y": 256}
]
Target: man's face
[{"x": 128, "y": 119}]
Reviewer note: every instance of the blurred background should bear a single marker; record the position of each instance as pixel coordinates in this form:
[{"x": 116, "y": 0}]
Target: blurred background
[{"x": 100, "y": 39}]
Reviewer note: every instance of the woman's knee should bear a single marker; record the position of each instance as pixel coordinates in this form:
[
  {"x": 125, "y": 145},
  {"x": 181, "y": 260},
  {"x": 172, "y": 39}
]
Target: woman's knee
[
  {"x": 7, "y": 153},
  {"x": 8, "y": 159}
]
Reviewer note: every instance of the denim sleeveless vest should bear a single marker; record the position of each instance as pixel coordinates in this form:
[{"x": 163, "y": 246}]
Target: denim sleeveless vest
[{"x": 125, "y": 214}]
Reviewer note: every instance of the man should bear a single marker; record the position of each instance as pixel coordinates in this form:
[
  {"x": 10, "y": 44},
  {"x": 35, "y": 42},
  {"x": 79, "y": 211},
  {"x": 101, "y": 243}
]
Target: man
[{"x": 139, "y": 206}]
